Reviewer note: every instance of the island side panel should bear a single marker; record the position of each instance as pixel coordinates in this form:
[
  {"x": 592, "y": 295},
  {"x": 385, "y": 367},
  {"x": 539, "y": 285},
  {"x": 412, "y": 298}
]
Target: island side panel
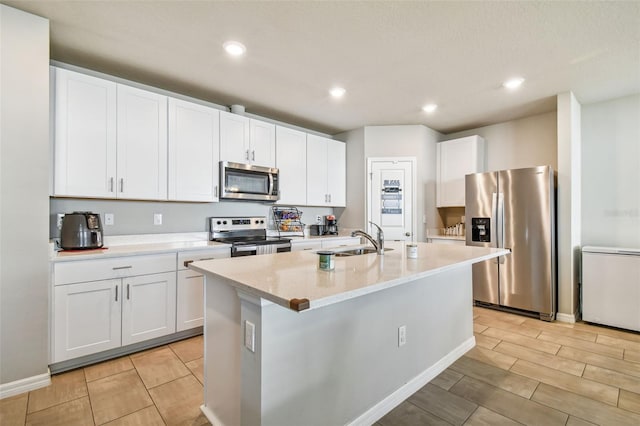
[
  {"x": 340, "y": 363},
  {"x": 222, "y": 342}
]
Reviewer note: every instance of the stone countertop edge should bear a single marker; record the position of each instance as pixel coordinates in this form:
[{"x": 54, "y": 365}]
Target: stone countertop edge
[{"x": 346, "y": 295}]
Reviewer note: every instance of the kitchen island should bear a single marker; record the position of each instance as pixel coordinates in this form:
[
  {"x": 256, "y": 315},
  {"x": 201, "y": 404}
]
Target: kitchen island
[{"x": 289, "y": 344}]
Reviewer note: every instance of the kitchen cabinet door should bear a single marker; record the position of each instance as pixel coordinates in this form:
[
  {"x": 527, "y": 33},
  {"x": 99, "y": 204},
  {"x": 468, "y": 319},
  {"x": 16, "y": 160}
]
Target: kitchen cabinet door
[
  {"x": 455, "y": 159},
  {"x": 317, "y": 171},
  {"x": 336, "y": 173},
  {"x": 190, "y": 288},
  {"x": 194, "y": 151},
  {"x": 84, "y": 135},
  {"x": 301, "y": 245},
  {"x": 148, "y": 307},
  {"x": 86, "y": 318},
  {"x": 291, "y": 161},
  {"x": 234, "y": 138},
  {"x": 142, "y": 144},
  {"x": 326, "y": 172},
  {"x": 262, "y": 143}
]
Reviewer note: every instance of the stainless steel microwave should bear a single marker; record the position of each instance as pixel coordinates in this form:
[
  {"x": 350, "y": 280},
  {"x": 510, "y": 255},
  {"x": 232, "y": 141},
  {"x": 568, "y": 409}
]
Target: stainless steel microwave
[{"x": 248, "y": 182}]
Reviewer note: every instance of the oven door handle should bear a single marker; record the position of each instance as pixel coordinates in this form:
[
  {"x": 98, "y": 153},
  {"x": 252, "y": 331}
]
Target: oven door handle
[{"x": 245, "y": 248}]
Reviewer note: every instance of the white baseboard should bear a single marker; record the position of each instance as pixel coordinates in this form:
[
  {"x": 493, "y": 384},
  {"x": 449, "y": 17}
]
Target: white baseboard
[
  {"x": 569, "y": 318},
  {"x": 25, "y": 385},
  {"x": 376, "y": 412},
  {"x": 210, "y": 415}
]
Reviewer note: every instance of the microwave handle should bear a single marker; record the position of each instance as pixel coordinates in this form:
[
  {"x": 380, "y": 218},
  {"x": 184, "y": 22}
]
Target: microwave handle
[{"x": 270, "y": 183}]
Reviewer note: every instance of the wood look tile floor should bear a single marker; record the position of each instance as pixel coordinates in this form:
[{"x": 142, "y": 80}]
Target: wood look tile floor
[{"x": 522, "y": 371}]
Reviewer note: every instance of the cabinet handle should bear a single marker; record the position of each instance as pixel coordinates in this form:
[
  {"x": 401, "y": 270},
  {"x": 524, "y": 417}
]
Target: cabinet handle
[
  {"x": 111, "y": 184},
  {"x": 329, "y": 197},
  {"x": 246, "y": 155},
  {"x": 121, "y": 184},
  {"x": 116, "y": 293},
  {"x": 308, "y": 248},
  {"x": 187, "y": 262},
  {"x": 215, "y": 191},
  {"x": 253, "y": 155},
  {"x": 207, "y": 258},
  {"x": 127, "y": 291},
  {"x": 115, "y": 268},
  {"x": 194, "y": 276}
]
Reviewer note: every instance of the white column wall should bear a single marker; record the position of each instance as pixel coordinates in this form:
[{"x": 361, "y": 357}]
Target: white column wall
[
  {"x": 24, "y": 197},
  {"x": 568, "y": 205}
]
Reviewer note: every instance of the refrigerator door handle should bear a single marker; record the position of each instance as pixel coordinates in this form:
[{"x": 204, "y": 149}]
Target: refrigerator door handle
[
  {"x": 500, "y": 225},
  {"x": 493, "y": 234}
]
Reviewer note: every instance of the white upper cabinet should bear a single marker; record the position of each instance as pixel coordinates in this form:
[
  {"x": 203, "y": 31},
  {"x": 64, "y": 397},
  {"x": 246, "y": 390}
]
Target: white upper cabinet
[
  {"x": 455, "y": 159},
  {"x": 85, "y": 135},
  {"x": 142, "y": 144},
  {"x": 245, "y": 140},
  {"x": 110, "y": 139},
  {"x": 326, "y": 172},
  {"x": 262, "y": 143},
  {"x": 194, "y": 143},
  {"x": 291, "y": 161}
]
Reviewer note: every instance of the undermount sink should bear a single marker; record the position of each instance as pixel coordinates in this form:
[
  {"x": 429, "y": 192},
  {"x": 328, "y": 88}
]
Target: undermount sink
[{"x": 359, "y": 251}]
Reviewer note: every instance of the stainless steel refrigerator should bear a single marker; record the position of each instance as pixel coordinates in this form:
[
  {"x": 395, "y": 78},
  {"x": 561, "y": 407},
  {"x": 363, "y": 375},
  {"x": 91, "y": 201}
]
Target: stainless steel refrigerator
[{"x": 514, "y": 209}]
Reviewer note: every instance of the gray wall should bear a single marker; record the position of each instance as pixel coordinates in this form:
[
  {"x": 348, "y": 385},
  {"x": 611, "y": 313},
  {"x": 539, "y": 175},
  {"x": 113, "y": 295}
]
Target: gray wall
[
  {"x": 136, "y": 217},
  {"x": 611, "y": 173},
  {"x": 24, "y": 184},
  {"x": 527, "y": 142},
  {"x": 391, "y": 141}
]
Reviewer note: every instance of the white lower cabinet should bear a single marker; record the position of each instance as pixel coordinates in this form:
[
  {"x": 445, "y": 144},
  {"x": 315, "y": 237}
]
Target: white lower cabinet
[
  {"x": 86, "y": 318},
  {"x": 340, "y": 242},
  {"x": 190, "y": 288},
  {"x": 306, "y": 245},
  {"x": 148, "y": 307},
  {"x": 104, "y": 304}
]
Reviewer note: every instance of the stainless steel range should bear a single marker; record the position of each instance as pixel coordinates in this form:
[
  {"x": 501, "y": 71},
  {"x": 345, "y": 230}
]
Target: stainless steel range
[{"x": 247, "y": 236}]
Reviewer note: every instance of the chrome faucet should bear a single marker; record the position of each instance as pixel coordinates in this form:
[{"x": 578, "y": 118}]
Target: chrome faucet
[{"x": 378, "y": 243}]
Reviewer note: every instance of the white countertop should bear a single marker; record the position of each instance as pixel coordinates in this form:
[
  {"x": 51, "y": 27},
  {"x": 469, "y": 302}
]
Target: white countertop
[
  {"x": 133, "y": 245},
  {"x": 283, "y": 277},
  {"x": 447, "y": 237}
]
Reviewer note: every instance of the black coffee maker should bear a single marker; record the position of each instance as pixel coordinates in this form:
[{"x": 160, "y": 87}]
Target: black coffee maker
[{"x": 330, "y": 225}]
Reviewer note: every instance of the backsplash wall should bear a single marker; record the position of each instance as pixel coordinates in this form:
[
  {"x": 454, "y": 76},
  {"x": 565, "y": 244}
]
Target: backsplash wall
[{"x": 136, "y": 217}]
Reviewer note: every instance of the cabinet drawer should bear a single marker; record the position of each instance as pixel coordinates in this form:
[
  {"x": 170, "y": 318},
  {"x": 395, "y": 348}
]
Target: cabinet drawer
[
  {"x": 195, "y": 255},
  {"x": 116, "y": 267},
  {"x": 340, "y": 242},
  {"x": 306, "y": 245}
]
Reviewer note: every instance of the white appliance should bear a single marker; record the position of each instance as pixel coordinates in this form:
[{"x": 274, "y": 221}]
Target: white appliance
[{"x": 611, "y": 286}]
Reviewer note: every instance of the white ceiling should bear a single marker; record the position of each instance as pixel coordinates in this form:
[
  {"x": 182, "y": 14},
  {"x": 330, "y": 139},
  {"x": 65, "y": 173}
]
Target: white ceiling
[{"x": 391, "y": 56}]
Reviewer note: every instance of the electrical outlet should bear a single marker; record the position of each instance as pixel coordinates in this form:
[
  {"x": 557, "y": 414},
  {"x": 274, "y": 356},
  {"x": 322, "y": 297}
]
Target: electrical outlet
[
  {"x": 250, "y": 335},
  {"x": 318, "y": 219},
  {"x": 59, "y": 217},
  {"x": 402, "y": 335},
  {"x": 157, "y": 218},
  {"x": 109, "y": 219}
]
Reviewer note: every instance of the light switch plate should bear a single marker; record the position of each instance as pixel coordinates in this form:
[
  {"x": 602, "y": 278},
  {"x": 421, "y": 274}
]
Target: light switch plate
[
  {"x": 250, "y": 335},
  {"x": 157, "y": 218}
]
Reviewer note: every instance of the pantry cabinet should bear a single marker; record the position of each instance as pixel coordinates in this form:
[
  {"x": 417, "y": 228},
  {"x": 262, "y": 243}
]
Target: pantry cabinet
[
  {"x": 110, "y": 139},
  {"x": 326, "y": 172},
  {"x": 194, "y": 151},
  {"x": 107, "y": 303},
  {"x": 291, "y": 161},
  {"x": 455, "y": 159},
  {"x": 246, "y": 140}
]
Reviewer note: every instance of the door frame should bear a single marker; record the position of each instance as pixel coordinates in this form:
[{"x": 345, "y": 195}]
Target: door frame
[{"x": 413, "y": 160}]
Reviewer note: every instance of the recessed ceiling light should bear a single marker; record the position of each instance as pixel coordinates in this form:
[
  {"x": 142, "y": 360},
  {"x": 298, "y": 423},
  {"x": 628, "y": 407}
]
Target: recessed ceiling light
[
  {"x": 234, "y": 48},
  {"x": 514, "y": 83},
  {"x": 337, "y": 92},
  {"x": 429, "y": 108}
]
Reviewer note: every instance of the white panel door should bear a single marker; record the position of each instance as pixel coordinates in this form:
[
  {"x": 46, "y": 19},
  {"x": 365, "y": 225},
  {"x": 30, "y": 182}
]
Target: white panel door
[
  {"x": 142, "y": 144},
  {"x": 391, "y": 197},
  {"x": 291, "y": 161},
  {"x": 194, "y": 150},
  {"x": 84, "y": 135},
  {"x": 148, "y": 307},
  {"x": 190, "y": 302},
  {"x": 86, "y": 318},
  {"x": 336, "y": 173},
  {"x": 234, "y": 138},
  {"x": 262, "y": 143},
  {"x": 317, "y": 194}
]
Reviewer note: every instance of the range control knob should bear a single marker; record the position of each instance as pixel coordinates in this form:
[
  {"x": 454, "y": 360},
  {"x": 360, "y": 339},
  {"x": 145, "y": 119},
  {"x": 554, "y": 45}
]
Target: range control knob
[
  {"x": 218, "y": 223},
  {"x": 224, "y": 222},
  {"x": 262, "y": 221}
]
